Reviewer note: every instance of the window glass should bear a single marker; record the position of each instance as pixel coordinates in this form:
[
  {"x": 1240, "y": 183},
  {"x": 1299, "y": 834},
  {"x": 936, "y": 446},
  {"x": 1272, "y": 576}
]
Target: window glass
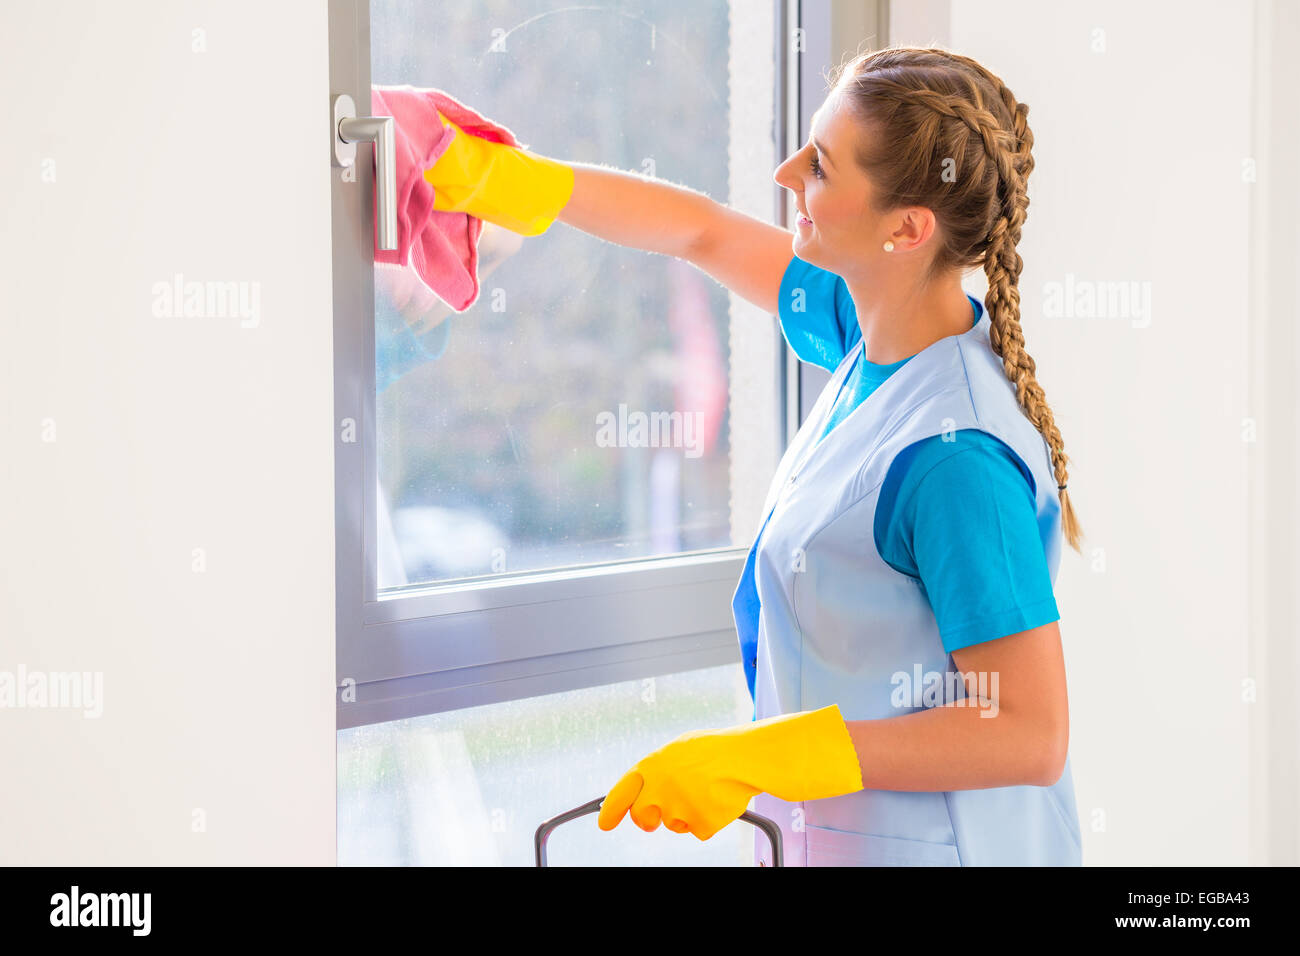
[
  {"x": 580, "y": 411},
  {"x": 470, "y": 787}
]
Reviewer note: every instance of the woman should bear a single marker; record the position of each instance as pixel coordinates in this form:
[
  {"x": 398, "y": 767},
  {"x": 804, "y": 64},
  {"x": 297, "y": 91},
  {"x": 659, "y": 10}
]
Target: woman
[{"x": 915, "y": 521}]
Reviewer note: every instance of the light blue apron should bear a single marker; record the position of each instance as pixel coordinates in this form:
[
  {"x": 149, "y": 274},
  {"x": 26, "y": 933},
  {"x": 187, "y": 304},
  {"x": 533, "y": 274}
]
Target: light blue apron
[{"x": 840, "y": 626}]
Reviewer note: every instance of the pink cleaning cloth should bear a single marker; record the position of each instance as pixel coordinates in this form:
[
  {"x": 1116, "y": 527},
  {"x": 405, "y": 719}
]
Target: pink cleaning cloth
[{"x": 442, "y": 247}]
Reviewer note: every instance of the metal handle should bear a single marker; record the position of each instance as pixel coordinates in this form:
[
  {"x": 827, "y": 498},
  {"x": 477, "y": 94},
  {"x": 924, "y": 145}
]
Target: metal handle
[
  {"x": 350, "y": 129},
  {"x": 544, "y": 831}
]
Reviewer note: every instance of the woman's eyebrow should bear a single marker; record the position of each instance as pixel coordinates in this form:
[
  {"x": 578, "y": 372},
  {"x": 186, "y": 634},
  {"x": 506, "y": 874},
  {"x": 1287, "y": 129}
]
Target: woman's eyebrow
[{"x": 822, "y": 149}]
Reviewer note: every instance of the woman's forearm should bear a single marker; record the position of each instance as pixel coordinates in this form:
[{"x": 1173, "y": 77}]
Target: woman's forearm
[
  {"x": 955, "y": 748},
  {"x": 637, "y": 211}
]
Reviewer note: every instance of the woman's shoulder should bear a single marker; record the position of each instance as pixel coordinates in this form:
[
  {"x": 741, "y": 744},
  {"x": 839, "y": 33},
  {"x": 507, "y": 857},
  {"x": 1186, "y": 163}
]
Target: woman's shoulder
[
  {"x": 817, "y": 314},
  {"x": 952, "y": 465},
  {"x": 951, "y": 484}
]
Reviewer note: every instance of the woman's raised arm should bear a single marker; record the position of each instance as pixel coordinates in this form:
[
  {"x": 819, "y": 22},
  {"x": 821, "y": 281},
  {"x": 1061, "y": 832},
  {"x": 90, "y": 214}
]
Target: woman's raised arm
[
  {"x": 526, "y": 191},
  {"x": 745, "y": 254}
]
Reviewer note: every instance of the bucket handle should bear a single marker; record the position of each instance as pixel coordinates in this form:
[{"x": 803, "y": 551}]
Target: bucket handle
[{"x": 544, "y": 831}]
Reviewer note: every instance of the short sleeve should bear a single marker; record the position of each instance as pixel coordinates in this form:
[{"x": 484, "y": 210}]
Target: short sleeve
[
  {"x": 817, "y": 314},
  {"x": 960, "y": 517}
]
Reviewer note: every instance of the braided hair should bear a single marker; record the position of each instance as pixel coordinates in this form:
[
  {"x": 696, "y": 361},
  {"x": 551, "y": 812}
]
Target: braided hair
[{"x": 947, "y": 134}]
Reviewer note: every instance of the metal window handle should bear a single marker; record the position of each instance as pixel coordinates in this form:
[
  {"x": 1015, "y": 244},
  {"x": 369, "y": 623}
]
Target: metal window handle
[{"x": 350, "y": 129}]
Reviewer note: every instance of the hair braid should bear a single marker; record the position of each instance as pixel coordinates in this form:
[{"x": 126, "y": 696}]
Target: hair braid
[
  {"x": 984, "y": 218},
  {"x": 1002, "y": 266}
]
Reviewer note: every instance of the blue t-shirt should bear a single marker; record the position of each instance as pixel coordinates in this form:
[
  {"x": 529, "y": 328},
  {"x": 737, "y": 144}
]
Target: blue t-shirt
[{"x": 959, "y": 515}]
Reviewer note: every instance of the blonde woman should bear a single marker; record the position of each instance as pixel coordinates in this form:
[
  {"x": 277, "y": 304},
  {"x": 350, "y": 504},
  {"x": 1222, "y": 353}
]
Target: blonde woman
[{"x": 896, "y": 616}]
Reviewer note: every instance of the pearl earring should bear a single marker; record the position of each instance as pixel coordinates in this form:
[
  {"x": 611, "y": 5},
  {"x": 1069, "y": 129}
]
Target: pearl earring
[{"x": 889, "y": 245}]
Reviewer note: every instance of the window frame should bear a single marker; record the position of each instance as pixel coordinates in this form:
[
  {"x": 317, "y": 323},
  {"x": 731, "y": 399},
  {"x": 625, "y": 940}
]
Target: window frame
[{"x": 438, "y": 647}]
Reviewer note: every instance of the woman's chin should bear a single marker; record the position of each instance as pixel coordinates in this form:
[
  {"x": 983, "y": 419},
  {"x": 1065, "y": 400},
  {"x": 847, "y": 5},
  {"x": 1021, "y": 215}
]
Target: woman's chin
[{"x": 804, "y": 246}]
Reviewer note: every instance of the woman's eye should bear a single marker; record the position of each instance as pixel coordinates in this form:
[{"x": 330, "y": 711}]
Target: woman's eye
[{"x": 816, "y": 167}]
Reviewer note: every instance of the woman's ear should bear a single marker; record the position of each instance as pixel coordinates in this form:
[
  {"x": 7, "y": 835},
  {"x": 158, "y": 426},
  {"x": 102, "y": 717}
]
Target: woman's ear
[{"x": 913, "y": 228}]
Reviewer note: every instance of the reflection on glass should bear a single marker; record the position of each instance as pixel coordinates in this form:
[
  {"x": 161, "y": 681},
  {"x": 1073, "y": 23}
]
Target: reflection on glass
[
  {"x": 578, "y": 411},
  {"x": 470, "y": 787}
]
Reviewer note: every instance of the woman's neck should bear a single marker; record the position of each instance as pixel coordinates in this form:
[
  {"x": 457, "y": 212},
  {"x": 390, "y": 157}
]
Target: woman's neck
[{"x": 901, "y": 321}]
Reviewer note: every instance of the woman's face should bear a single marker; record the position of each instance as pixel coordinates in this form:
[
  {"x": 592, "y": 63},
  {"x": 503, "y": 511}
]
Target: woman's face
[{"x": 832, "y": 191}]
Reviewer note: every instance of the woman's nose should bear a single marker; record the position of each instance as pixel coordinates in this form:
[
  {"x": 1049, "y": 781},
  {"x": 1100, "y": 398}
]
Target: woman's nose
[{"x": 782, "y": 176}]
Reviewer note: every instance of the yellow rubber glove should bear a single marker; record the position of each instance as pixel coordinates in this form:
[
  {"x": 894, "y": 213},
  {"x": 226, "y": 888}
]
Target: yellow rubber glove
[
  {"x": 501, "y": 184},
  {"x": 704, "y": 779}
]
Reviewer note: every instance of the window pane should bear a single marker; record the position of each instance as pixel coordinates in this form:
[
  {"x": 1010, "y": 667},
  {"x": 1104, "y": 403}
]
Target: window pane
[
  {"x": 581, "y": 411},
  {"x": 470, "y": 787}
]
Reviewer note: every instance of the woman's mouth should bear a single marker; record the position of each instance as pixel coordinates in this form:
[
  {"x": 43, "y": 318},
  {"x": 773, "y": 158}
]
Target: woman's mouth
[{"x": 804, "y": 221}]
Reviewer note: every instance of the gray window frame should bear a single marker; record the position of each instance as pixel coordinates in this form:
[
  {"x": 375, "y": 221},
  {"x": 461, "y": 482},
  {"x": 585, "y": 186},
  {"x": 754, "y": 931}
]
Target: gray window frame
[{"x": 503, "y": 637}]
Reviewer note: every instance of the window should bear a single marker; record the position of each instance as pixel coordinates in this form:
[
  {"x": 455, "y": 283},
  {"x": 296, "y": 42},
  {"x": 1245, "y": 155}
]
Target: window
[
  {"x": 577, "y": 413},
  {"x": 505, "y": 527}
]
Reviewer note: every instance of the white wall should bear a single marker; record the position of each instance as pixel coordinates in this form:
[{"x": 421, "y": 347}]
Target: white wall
[
  {"x": 1142, "y": 117},
  {"x": 132, "y": 156}
]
